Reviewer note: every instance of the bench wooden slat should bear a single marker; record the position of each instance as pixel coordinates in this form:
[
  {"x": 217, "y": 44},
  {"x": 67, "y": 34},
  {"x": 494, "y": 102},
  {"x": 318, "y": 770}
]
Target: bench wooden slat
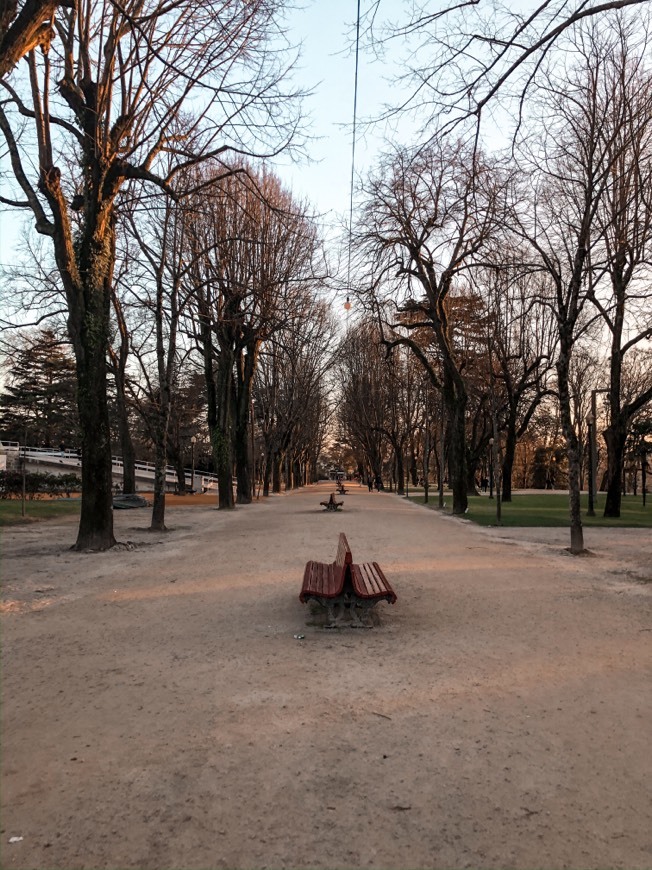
[
  {"x": 317, "y": 580},
  {"x": 370, "y": 582},
  {"x": 322, "y": 580},
  {"x": 344, "y": 554},
  {"x": 352, "y": 585}
]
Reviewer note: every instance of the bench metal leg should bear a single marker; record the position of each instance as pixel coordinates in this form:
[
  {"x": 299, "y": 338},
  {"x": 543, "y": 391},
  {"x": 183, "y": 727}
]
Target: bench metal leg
[
  {"x": 358, "y": 611},
  {"x": 334, "y": 608}
]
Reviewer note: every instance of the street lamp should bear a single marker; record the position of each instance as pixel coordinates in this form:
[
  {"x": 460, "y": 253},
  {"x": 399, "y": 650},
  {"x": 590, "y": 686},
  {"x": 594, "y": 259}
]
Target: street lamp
[
  {"x": 193, "y": 441},
  {"x": 591, "y": 424},
  {"x": 491, "y": 468}
]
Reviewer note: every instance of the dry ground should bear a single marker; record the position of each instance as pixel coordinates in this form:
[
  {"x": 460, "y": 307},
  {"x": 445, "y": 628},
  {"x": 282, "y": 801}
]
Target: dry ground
[{"x": 159, "y": 712}]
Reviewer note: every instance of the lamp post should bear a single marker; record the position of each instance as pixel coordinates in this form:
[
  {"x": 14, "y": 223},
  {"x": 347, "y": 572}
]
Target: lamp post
[
  {"x": 193, "y": 441},
  {"x": 491, "y": 468},
  {"x": 407, "y": 476},
  {"x": 23, "y": 464},
  {"x": 591, "y": 424},
  {"x": 253, "y": 450},
  {"x": 644, "y": 450}
]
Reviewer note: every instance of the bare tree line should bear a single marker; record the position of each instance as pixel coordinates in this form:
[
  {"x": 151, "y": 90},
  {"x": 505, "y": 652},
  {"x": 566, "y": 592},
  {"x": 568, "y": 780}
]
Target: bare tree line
[{"x": 455, "y": 244}]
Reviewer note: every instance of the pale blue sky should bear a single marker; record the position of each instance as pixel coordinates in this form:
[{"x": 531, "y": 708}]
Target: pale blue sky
[{"x": 324, "y": 27}]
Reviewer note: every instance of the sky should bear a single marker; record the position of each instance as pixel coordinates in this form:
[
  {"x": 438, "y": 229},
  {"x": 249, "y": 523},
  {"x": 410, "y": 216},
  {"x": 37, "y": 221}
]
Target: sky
[{"x": 327, "y": 66}]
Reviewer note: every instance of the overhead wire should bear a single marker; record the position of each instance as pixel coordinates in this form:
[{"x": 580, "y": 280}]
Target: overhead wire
[{"x": 355, "y": 118}]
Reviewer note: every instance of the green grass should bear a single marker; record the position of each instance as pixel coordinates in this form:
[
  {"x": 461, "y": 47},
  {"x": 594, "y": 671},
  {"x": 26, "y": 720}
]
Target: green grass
[
  {"x": 38, "y": 509},
  {"x": 550, "y": 509}
]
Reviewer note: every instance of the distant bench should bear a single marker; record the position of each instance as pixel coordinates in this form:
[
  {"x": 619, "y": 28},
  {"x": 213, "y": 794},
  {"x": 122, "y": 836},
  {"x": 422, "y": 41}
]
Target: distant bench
[
  {"x": 343, "y": 587},
  {"x": 331, "y": 504}
]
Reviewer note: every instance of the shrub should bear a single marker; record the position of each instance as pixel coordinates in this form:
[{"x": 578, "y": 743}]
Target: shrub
[{"x": 37, "y": 484}]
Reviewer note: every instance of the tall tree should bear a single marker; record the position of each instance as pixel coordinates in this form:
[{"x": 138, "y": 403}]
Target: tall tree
[
  {"x": 623, "y": 296},
  {"x": 362, "y": 407},
  {"x": 428, "y": 215},
  {"x": 521, "y": 339},
  {"x": 158, "y": 290},
  {"x": 108, "y": 92},
  {"x": 569, "y": 176},
  {"x": 252, "y": 251}
]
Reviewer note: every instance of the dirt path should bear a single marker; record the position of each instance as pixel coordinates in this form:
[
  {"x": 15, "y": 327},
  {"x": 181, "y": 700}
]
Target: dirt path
[{"x": 159, "y": 713}]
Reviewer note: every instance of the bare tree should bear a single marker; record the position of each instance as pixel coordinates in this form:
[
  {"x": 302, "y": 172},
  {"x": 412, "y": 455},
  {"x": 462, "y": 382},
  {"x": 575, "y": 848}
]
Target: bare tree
[
  {"x": 253, "y": 251},
  {"x": 428, "y": 216},
  {"x": 160, "y": 292},
  {"x": 291, "y": 390},
  {"x": 362, "y": 374},
  {"x": 569, "y": 177},
  {"x": 465, "y": 57},
  {"x": 624, "y": 218},
  {"x": 521, "y": 341},
  {"x": 106, "y": 96}
]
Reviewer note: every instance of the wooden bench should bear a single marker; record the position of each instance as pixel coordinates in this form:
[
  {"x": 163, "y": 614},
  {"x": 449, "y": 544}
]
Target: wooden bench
[
  {"x": 331, "y": 504},
  {"x": 345, "y": 588}
]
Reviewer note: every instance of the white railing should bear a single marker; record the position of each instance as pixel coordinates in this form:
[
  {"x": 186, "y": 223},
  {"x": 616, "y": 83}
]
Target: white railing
[{"x": 203, "y": 479}]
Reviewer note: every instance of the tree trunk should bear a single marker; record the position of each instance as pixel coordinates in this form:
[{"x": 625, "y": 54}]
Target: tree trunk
[
  {"x": 119, "y": 359},
  {"x": 471, "y": 488},
  {"x": 426, "y": 466},
  {"x": 160, "y": 468},
  {"x": 222, "y": 457},
  {"x": 276, "y": 473},
  {"x": 243, "y": 447},
  {"x": 222, "y": 435},
  {"x": 400, "y": 472},
  {"x": 242, "y": 455},
  {"x": 508, "y": 460},
  {"x": 124, "y": 433},
  {"x": 615, "y": 437},
  {"x": 88, "y": 326},
  {"x": 267, "y": 472},
  {"x": 456, "y": 414},
  {"x": 180, "y": 472},
  {"x": 572, "y": 446}
]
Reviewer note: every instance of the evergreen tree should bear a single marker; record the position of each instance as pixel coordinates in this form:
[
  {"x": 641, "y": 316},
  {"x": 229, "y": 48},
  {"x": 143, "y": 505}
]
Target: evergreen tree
[{"x": 38, "y": 402}]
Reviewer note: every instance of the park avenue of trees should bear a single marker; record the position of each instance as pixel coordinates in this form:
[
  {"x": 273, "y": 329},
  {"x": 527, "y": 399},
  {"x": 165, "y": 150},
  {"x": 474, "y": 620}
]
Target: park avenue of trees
[{"x": 503, "y": 305}]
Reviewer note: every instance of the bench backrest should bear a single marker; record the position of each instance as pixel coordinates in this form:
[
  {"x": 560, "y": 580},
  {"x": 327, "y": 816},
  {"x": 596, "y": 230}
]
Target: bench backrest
[{"x": 344, "y": 554}]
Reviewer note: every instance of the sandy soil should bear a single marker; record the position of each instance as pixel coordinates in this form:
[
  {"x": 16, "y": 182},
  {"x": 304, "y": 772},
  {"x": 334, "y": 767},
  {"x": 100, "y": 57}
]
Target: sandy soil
[{"x": 160, "y": 712}]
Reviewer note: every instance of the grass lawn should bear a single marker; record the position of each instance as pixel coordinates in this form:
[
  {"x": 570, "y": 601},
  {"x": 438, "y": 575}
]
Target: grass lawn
[
  {"x": 549, "y": 509},
  {"x": 38, "y": 509}
]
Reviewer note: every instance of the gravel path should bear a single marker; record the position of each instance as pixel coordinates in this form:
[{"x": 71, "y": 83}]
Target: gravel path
[{"x": 158, "y": 711}]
